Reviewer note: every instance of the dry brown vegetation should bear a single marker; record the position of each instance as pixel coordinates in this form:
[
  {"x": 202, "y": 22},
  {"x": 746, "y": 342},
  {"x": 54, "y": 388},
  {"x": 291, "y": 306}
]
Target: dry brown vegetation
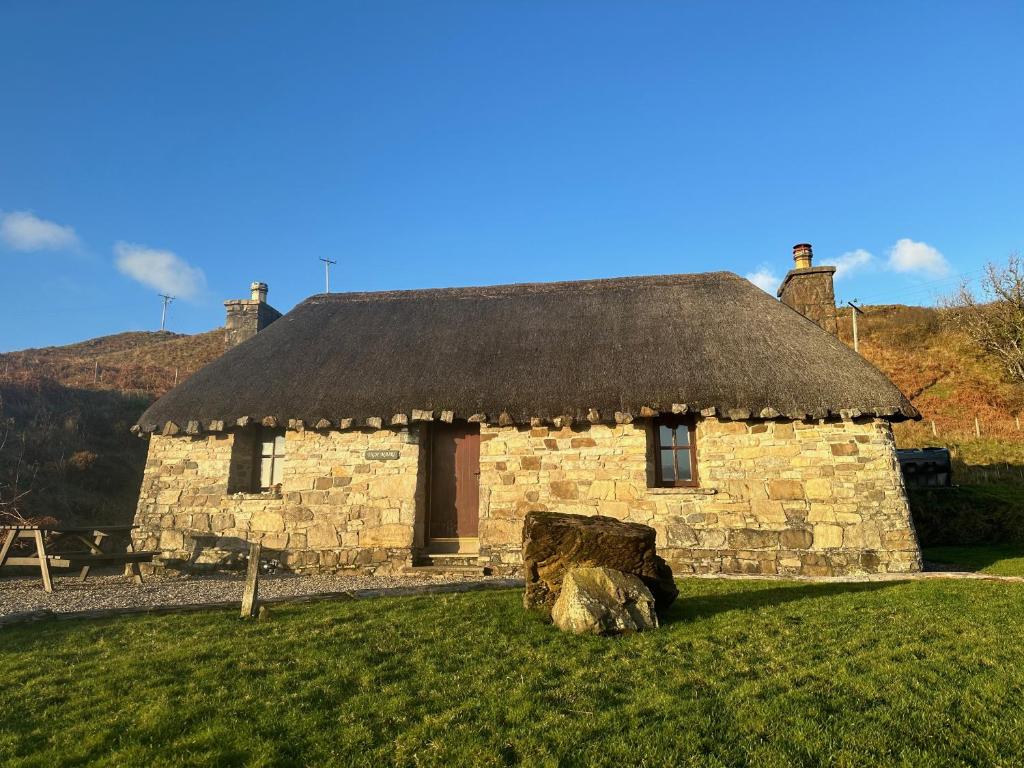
[
  {"x": 141, "y": 362},
  {"x": 65, "y": 449},
  {"x": 951, "y": 381}
]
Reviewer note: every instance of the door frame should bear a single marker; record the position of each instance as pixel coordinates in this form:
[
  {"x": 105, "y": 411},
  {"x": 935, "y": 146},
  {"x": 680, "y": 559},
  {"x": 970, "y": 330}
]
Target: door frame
[{"x": 442, "y": 544}]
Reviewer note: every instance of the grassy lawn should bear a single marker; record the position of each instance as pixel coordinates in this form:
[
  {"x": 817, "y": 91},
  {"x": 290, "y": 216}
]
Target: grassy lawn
[
  {"x": 768, "y": 674},
  {"x": 997, "y": 559}
]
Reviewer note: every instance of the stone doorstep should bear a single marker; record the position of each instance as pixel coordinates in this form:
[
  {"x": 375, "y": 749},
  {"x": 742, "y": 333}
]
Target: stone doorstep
[
  {"x": 462, "y": 547},
  {"x": 446, "y": 569},
  {"x": 447, "y": 562},
  {"x": 452, "y": 557}
]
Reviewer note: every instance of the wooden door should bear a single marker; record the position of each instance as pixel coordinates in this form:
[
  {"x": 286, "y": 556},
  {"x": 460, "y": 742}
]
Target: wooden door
[{"x": 454, "y": 481}]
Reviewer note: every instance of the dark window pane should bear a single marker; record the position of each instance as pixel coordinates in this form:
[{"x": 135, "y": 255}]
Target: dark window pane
[
  {"x": 682, "y": 435},
  {"x": 664, "y": 436},
  {"x": 684, "y": 466},
  {"x": 668, "y": 472}
]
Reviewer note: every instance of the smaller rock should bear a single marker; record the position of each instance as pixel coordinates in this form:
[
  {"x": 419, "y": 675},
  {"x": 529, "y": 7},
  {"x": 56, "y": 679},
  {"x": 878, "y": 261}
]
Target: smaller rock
[{"x": 603, "y": 601}]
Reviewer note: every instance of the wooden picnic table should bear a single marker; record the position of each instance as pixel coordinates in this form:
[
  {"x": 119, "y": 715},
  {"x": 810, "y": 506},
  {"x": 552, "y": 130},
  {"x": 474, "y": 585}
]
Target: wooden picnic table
[{"x": 71, "y": 546}]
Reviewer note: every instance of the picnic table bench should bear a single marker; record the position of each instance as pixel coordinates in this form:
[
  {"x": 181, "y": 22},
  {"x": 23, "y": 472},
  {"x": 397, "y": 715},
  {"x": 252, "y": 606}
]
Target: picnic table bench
[{"x": 66, "y": 546}]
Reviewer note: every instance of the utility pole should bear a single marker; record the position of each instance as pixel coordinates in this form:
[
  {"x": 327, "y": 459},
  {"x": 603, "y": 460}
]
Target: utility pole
[
  {"x": 163, "y": 313},
  {"x": 327, "y": 273},
  {"x": 856, "y": 311}
]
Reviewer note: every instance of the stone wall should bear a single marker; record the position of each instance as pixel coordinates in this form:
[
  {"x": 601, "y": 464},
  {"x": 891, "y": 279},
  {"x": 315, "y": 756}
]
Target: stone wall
[
  {"x": 774, "y": 497},
  {"x": 810, "y": 292},
  {"x": 336, "y": 508},
  {"x": 821, "y": 498}
]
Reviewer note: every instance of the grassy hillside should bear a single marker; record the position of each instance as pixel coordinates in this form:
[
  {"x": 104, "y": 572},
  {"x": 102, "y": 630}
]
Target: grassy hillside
[
  {"x": 141, "y": 361},
  {"x": 65, "y": 449},
  {"x": 951, "y": 383},
  {"x": 65, "y": 411}
]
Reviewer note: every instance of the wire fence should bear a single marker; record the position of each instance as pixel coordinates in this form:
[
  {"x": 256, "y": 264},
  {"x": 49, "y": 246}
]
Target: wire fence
[
  {"x": 986, "y": 474},
  {"x": 947, "y": 428}
]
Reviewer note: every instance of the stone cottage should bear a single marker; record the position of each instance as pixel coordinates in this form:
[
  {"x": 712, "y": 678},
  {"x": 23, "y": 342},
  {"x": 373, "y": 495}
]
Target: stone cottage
[{"x": 396, "y": 430}]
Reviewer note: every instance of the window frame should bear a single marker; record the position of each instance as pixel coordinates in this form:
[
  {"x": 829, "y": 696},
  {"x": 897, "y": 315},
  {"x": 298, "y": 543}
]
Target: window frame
[
  {"x": 674, "y": 423},
  {"x": 264, "y": 435}
]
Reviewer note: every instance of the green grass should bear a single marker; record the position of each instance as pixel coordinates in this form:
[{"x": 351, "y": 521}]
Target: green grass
[
  {"x": 744, "y": 673},
  {"x": 996, "y": 559}
]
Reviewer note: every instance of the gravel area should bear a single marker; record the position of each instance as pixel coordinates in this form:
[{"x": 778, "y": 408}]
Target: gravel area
[{"x": 20, "y": 595}]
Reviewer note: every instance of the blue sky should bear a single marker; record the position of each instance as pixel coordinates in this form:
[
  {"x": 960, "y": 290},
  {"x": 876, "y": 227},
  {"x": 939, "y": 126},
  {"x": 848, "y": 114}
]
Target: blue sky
[{"x": 195, "y": 147}]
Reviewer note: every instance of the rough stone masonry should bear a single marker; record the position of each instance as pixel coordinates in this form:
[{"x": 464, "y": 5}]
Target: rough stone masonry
[{"x": 820, "y": 497}]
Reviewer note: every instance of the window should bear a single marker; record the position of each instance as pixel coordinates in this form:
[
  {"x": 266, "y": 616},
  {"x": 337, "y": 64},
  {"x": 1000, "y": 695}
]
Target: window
[
  {"x": 675, "y": 454},
  {"x": 257, "y": 459},
  {"x": 271, "y": 458}
]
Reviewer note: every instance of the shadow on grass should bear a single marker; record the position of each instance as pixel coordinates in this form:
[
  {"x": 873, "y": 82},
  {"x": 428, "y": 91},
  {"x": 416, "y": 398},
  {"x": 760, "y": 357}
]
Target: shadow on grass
[
  {"x": 971, "y": 558},
  {"x": 704, "y": 606}
]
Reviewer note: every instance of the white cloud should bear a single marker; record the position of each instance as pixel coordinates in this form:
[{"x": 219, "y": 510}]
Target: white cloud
[
  {"x": 910, "y": 256},
  {"x": 851, "y": 261},
  {"x": 163, "y": 270},
  {"x": 24, "y": 231},
  {"x": 764, "y": 279}
]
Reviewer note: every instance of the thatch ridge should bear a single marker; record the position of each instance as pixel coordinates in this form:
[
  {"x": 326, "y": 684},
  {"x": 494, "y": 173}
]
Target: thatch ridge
[{"x": 595, "y": 350}]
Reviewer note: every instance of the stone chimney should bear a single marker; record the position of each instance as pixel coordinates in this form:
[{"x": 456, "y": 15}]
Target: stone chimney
[
  {"x": 808, "y": 289},
  {"x": 247, "y": 317}
]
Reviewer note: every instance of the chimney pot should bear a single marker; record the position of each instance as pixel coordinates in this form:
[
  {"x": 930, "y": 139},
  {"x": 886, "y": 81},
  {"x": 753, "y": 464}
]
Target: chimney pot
[
  {"x": 259, "y": 292},
  {"x": 802, "y": 256}
]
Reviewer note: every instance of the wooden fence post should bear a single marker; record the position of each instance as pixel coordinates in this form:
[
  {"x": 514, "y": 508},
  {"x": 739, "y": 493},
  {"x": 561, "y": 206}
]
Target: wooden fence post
[
  {"x": 934, "y": 433},
  {"x": 977, "y": 427},
  {"x": 250, "y": 597}
]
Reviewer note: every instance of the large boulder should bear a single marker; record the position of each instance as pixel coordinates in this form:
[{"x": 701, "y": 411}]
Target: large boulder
[
  {"x": 600, "y": 601},
  {"x": 554, "y": 542}
]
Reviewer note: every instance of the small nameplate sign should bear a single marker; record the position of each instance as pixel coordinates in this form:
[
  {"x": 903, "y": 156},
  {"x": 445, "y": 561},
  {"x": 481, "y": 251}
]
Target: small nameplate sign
[{"x": 381, "y": 455}]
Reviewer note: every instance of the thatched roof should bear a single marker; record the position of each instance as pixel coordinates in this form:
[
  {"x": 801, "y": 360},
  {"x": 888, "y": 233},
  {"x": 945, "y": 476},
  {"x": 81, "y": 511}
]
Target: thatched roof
[{"x": 599, "y": 349}]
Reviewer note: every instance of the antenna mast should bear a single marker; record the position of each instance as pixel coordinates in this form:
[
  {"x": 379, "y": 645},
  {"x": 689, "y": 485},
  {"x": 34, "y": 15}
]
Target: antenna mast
[
  {"x": 327, "y": 273},
  {"x": 163, "y": 313}
]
